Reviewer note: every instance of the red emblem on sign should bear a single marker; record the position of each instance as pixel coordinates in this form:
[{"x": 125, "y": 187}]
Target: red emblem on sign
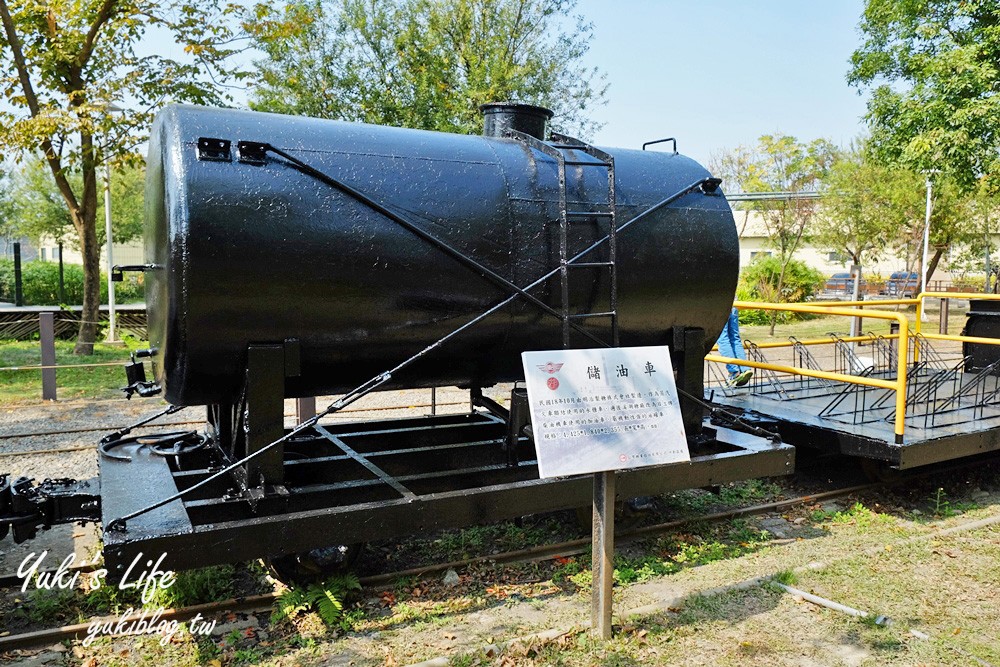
[
  {"x": 550, "y": 367},
  {"x": 553, "y": 384},
  {"x": 623, "y": 458}
]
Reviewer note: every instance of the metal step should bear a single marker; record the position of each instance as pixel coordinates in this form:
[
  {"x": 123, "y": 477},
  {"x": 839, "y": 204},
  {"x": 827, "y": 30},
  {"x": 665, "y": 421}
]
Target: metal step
[
  {"x": 580, "y": 163},
  {"x": 589, "y": 214}
]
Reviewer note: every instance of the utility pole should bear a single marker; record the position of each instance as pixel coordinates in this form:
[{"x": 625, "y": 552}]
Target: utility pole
[
  {"x": 112, "y": 335},
  {"x": 927, "y": 230},
  {"x": 110, "y": 258},
  {"x": 927, "y": 241}
]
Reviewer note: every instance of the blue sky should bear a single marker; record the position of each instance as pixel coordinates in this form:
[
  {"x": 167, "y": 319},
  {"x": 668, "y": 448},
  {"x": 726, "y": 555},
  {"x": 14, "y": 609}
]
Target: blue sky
[
  {"x": 716, "y": 74},
  {"x": 719, "y": 74}
]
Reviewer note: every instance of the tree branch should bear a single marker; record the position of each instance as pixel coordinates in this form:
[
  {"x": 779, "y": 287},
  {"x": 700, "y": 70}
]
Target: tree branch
[
  {"x": 29, "y": 94},
  {"x": 88, "y": 44},
  {"x": 18, "y": 52}
]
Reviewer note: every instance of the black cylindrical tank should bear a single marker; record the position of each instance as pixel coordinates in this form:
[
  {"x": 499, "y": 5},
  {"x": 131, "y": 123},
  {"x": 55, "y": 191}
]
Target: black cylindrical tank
[
  {"x": 250, "y": 252},
  {"x": 982, "y": 321}
]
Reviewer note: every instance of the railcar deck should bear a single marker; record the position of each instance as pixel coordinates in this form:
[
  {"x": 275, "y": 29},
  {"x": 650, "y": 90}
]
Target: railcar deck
[
  {"x": 950, "y": 412},
  {"x": 356, "y": 482}
]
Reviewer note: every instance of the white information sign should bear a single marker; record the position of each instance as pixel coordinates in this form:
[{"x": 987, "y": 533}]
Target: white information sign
[{"x": 603, "y": 409}]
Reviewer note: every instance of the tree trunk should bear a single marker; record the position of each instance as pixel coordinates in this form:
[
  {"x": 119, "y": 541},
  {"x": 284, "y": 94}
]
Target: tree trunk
[
  {"x": 777, "y": 297},
  {"x": 84, "y": 218},
  {"x": 91, "y": 252},
  {"x": 932, "y": 267}
]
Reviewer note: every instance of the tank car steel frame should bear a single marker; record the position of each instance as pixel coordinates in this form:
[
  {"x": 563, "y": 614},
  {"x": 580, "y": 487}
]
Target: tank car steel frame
[
  {"x": 348, "y": 483},
  {"x": 358, "y": 482},
  {"x": 351, "y": 483}
]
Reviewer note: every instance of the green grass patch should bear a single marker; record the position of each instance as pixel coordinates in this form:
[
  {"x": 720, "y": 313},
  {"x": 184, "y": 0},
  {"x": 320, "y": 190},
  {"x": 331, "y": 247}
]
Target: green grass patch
[
  {"x": 786, "y": 577},
  {"x": 102, "y": 382},
  {"x": 943, "y": 507},
  {"x": 672, "y": 554},
  {"x": 862, "y": 518},
  {"x": 944, "y": 587},
  {"x": 698, "y": 501},
  {"x": 476, "y": 540},
  {"x": 821, "y": 326},
  {"x": 47, "y": 606},
  {"x": 190, "y": 587},
  {"x": 206, "y": 584}
]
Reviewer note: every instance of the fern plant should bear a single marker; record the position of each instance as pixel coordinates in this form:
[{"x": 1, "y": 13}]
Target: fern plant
[{"x": 326, "y": 598}]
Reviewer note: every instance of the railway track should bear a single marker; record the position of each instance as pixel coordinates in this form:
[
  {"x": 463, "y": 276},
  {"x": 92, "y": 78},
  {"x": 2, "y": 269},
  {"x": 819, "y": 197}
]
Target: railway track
[{"x": 533, "y": 554}]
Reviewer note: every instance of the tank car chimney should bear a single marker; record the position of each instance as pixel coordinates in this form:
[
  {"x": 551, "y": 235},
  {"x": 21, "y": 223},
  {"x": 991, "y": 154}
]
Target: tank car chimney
[{"x": 501, "y": 116}]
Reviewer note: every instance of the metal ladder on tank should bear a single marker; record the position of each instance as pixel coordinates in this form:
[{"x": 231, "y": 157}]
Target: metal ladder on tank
[{"x": 606, "y": 211}]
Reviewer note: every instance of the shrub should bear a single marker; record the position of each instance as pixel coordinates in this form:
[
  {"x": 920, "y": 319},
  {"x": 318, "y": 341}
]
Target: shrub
[
  {"x": 969, "y": 283},
  {"x": 40, "y": 284},
  {"x": 759, "y": 282}
]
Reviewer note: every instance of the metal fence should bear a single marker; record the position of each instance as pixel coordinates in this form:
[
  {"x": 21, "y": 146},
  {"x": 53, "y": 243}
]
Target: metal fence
[{"x": 22, "y": 323}]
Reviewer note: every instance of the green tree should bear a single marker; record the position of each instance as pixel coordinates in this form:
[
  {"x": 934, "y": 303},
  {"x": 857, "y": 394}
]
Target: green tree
[
  {"x": 7, "y": 230},
  {"x": 779, "y": 163},
  {"x": 870, "y": 208},
  {"x": 128, "y": 189},
  {"x": 932, "y": 68},
  {"x": 38, "y": 209},
  {"x": 63, "y": 65},
  {"x": 905, "y": 195},
  {"x": 860, "y": 215},
  {"x": 424, "y": 64},
  {"x": 979, "y": 252}
]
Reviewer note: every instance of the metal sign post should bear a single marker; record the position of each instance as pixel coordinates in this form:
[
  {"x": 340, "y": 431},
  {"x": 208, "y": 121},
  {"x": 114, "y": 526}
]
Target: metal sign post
[
  {"x": 595, "y": 412},
  {"x": 603, "y": 558}
]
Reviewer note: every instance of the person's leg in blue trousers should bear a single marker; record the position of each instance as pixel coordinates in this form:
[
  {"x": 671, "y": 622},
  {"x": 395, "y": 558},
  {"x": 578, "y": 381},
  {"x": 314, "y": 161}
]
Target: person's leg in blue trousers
[{"x": 731, "y": 344}]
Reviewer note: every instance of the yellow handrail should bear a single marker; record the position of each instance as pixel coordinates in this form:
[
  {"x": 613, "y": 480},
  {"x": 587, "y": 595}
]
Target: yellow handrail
[
  {"x": 962, "y": 339},
  {"x": 873, "y": 302},
  {"x": 952, "y": 295},
  {"x": 899, "y": 385},
  {"x": 818, "y": 341},
  {"x": 809, "y": 372}
]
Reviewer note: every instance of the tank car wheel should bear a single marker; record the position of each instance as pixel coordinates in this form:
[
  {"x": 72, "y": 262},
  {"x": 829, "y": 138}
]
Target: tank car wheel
[
  {"x": 880, "y": 471},
  {"x": 312, "y": 566}
]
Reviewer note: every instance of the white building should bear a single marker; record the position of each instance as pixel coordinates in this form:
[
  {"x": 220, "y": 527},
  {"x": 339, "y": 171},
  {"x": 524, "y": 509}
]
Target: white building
[
  {"x": 122, "y": 253},
  {"x": 754, "y": 241}
]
